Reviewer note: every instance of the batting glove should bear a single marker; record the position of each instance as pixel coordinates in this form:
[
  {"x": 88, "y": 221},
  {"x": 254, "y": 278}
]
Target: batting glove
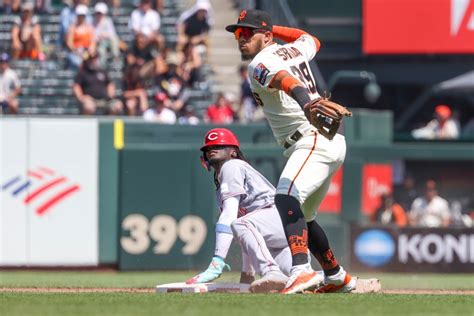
[{"x": 212, "y": 272}]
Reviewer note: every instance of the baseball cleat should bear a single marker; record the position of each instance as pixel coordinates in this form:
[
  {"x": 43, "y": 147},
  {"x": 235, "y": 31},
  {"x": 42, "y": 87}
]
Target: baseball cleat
[
  {"x": 341, "y": 282},
  {"x": 272, "y": 282},
  {"x": 301, "y": 279}
]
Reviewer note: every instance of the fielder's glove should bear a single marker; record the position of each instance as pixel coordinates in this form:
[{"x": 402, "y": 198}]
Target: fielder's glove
[
  {"x": 326, "y": 116},
  {"x": 214, "y": 270}
]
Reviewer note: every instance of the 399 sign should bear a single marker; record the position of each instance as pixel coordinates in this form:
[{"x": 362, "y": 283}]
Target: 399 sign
[{"x": 161, "y": 233}]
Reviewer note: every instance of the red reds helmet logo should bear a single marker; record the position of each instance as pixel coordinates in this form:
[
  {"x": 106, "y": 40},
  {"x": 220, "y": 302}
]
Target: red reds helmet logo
[{"x": 242, "y": 15}]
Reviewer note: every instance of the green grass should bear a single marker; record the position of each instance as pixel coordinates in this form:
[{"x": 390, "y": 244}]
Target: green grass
[
  {"x": 228, "y": 304},
  {"x": 59, "y": 304},
  {"x": 150, "y": 279}
]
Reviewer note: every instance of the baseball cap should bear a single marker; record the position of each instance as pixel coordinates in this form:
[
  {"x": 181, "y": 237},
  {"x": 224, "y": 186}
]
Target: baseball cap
[
  {"x": 101, "y": 7},
  {"x": 443, "y": 111},
  {"x": 255, "y": 19},
  {"x": 81, "y": 10},
  {"x": 4, "y": 57},
  {"x": 161, "y": 96}
]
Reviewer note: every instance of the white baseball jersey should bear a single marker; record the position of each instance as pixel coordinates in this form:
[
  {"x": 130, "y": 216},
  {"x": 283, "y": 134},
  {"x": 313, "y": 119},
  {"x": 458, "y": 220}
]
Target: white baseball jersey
[{"x": 283, "y": 113}]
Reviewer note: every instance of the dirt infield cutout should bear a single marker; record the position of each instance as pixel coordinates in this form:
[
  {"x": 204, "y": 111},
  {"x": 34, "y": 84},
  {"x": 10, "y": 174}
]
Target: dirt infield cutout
[{"x": 152, "y": 290}]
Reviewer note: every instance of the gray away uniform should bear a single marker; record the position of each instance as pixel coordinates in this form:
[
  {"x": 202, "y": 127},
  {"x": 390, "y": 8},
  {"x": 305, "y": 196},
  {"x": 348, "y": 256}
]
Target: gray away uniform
[{"x": 258, "y": 227}]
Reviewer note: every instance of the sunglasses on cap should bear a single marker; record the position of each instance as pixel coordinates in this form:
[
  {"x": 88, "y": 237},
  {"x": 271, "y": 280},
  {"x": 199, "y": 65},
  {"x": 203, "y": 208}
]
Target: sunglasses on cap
[{"x": 246, "y": 32}]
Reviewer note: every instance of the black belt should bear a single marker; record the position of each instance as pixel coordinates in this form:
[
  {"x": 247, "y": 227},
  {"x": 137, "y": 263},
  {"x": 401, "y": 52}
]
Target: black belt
[{"x": 295, "y": 137}]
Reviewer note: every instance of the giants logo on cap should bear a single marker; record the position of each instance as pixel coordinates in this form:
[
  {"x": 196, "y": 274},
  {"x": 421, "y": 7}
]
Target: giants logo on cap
[{"x": 242, "y": 15}]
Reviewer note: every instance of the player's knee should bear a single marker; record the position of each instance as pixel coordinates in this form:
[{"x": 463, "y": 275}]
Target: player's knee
[
  {"x": 288, "y": 207},
  {"x": 284, "y": 201}
]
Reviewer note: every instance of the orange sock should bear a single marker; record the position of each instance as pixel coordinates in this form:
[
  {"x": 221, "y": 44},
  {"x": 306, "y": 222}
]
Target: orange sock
[{"x": 289, "y": 34}]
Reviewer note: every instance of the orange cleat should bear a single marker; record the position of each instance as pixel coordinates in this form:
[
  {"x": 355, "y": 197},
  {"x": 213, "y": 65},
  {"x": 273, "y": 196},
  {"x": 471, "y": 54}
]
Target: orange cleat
[
  {"x": 302, "y": 279},
  {"x": 341, "y": 282}
]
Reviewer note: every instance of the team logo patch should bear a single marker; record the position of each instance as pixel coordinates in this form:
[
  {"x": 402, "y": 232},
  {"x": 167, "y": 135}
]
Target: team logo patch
[{"x": 260, "y": 73}]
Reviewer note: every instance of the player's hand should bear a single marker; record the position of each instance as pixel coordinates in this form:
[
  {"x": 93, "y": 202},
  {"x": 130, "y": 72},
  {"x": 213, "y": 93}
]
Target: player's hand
[{"x": 215, "y": 269}]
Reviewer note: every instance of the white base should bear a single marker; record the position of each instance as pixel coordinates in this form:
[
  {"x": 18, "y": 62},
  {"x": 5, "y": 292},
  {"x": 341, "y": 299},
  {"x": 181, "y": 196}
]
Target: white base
[
  {"x": 362, "y": 286},
  {"x": 181, "y": 287}
]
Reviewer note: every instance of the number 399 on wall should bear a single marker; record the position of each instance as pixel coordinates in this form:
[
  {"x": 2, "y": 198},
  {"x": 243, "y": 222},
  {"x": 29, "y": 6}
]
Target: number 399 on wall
[{"x": 163, "y": 230}]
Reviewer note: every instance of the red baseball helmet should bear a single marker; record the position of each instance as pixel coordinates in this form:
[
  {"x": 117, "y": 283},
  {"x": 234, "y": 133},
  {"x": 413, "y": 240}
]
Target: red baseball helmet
[{"x": 220, "y": 137}]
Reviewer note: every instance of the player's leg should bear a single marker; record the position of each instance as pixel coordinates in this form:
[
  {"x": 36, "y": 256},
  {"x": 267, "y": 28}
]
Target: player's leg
[
  {"x": 282, "y": 257},
  {"x": 251, "y": 231},
  {"x": 290, "y": 194},
  {"x": 336, "y": 278},
  {"x": 247, "y": 274}
]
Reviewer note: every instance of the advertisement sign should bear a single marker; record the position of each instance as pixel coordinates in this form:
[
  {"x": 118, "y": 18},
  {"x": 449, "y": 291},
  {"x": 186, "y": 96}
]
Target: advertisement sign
[
  {"x": 48, "y": 192},
  {"x": 418, "y": 26},
  {"x": 376, "y": 180},
  {"x": 392, "y": 249}
]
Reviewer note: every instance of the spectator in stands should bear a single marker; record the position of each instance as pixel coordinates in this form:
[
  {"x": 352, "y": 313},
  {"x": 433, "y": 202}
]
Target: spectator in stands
[
  {"x": 94, "y": 90},
  {"x": 11, "y": 6},
  {"x": 248, "y": 109},
  {"x": 190, "y": 64},
  {"x": 26, "y": 34},
  {"x": 173, "y": 84},
  {"x": 104, "y": 34},
  {"x": 146, "y": 21},
  {"x": 144, "y": 55},
  {"x": 430, "y": 210},
  {"x": 160, "y": 113},
  {"x": 390, "y": 212},
  {"x": 80, "y": 38},
  {"x": 194, "y": 24},
  {"x": 68, "y": 17},
  {"x": 134, "y": 93},
  {"x": 10, "y": 87},
  {"x": 189, "y": 117},
  {"x": 406, "y": 193},
  {"x": 443, "y": 126},
  {"x": 219, "y": 112}
]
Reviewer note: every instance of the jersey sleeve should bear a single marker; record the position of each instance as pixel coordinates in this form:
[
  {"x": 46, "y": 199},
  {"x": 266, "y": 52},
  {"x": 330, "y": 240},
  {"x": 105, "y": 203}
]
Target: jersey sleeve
[
  {"x": 262, "y": 70},
  {"x": 232, "y": 180},
  {"x": 306, "y": 45}
]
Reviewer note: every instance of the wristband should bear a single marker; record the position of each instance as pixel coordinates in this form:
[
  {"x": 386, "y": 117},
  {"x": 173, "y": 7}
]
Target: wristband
[{"x": 301, "y": 95}]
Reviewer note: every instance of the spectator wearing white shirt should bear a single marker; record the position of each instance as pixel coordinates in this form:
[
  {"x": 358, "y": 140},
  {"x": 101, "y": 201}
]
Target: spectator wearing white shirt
[
  {"x": 443, "y": 126},
  {"x": 10, "y": 87},
  {"x": 145, "y": 20},
  {"x": 160, "y": 113},
  {"x": 430, "y": 210},
  {"x": 105, "y": 34}
]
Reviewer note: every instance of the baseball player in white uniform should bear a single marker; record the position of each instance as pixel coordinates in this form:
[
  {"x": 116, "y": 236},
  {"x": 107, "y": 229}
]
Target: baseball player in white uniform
[
  {"x": 282, "y": 83},
  {"x": 248, "y": 213}
]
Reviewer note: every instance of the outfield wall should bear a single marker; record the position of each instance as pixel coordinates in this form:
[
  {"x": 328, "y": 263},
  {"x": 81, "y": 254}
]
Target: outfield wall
[{"x": 134, "y": 195}]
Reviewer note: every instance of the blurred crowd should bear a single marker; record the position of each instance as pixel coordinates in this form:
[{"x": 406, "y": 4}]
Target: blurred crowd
[
  {"x": 406, "y": 206},
  {"x": 157, "y": 75}
]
